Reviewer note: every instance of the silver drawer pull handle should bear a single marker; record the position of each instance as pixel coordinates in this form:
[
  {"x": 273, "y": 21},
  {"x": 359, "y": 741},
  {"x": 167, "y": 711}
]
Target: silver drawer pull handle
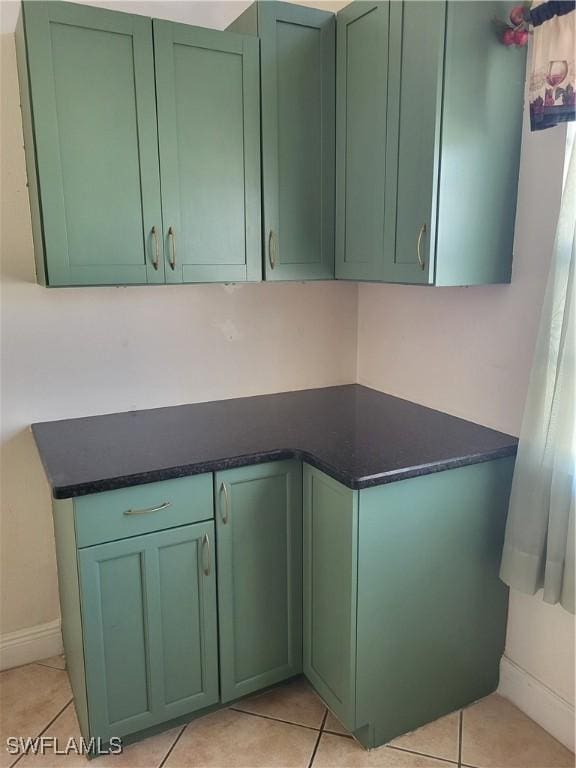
[
  {"x": 159, "y": 508},
  {"x": 420, "y": 259},
  {"x": 226, "y": 509},
  {"x": 172, "y": 257},
  {"x": 272, "y": 249},
  {"x": 156, "y": 259},
  {"x": 206, "y": 546}
]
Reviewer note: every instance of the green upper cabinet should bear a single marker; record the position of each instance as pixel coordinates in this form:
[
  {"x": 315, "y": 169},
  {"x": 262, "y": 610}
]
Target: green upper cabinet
[
  {"x": 259, "y": 527},
  {"x": 102, "y": 93},
  {"x": 389, "y": 136},
  {"x": 298, "y": 134},
  {"x": 482, "y": 120},
  {"x": 428, "y": 143},
  {"x": 209, "y": 137},
  {"x": 362, "y": 79},
  {"x": 412, "y": 146},
  {"x": 87, "y": 82},
  {"x": 149, "y": 622}
]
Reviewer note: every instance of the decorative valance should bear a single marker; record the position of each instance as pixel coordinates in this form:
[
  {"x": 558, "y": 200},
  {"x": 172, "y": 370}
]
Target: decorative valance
[{"x": 553, "y": 73}]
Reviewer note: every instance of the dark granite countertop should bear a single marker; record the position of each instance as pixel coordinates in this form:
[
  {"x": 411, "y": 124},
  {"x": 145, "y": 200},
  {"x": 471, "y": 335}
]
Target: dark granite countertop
[{"x": 357, "y": 435}]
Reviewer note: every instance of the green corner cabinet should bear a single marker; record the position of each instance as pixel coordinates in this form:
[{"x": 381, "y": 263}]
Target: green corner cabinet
[
  {"x": 428, "y": 130},
  {"x": 404, "y": 612},
  {"x": 142, "y": 143},
  {"x": 298, "y": 136},
  {"x": 166, "y": 612},
  {"x": 182, "y": 596}
]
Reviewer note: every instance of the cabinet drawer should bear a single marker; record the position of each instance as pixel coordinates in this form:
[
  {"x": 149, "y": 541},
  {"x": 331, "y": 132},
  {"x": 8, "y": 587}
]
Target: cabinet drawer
[{"x": 119, "y": 514}]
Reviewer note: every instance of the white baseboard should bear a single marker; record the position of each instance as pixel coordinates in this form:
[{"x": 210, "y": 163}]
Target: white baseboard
[
  {"x": 32, "y": 644},
  {"x": 552, "y": 712}
]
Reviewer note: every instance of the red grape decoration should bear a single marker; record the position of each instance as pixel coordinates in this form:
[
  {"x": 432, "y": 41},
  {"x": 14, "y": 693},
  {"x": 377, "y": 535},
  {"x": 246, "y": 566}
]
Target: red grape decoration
[{"x": 515, "y": 32}]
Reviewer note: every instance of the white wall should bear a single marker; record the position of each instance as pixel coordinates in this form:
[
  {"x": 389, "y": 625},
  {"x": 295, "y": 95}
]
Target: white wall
[
  {"x": 468, "y": 351},
  {"x": 74, "y": 352}
]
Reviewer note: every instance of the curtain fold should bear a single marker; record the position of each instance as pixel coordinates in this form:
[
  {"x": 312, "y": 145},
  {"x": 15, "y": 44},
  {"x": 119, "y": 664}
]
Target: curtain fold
[{"x": 539, "y": 542}]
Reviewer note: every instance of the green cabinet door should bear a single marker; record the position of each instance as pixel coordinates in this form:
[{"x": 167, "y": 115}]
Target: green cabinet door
[
  {"x": 90, "y": 81},
  {"x": 427, "y": 143},
  {"x": 413, "y": 139},
  {"x": 431, "y": 606},
  {"x": 482, "y": 122},
  {"x": 361, "y": 138},
  {"x": 330, "y": 535},
  {"x": 298, "y": 134},
  {"x": 209, "y": 137},
  {"x": 259, "y": 527},
  {"x": 149, "y": 623}
]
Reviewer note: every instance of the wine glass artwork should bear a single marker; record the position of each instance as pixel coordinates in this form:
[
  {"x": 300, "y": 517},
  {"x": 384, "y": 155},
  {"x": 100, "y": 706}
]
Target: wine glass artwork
[{"x": 557, "y": 72}]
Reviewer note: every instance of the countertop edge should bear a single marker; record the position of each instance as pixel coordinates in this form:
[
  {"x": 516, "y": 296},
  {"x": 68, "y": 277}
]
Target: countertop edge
[{"x": 62, "y": 492}]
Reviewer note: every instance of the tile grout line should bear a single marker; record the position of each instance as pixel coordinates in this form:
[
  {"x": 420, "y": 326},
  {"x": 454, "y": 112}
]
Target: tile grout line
[
  {"x": 401, "y": 749},
  {"x": 422, "y": 754},
  {"x": 460, "y": 731},
  {"x": 333, "y": 733},
  {"x": 49, "y": 666},
  {"x": 397, "y": 749},
  {"x": 275, "y": 719},
  {"x": 43, "y": 731},
  {"x": 176, "y": 740},
  {"x": 320, "y": 732}
]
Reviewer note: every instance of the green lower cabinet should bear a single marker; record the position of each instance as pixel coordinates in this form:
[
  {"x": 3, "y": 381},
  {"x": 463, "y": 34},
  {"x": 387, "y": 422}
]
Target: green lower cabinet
[
  {"x": 404, "y": 612},
  {"x": 330, "y": 564},
  {"x": 259, "y": 534},
  {"x": 387, "y": 598},
  {"x": 149, "y": 628}
]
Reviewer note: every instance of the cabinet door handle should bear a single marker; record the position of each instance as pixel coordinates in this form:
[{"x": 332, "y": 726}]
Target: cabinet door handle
[
  {"x": 172, "y": 239},
  {"x": 272, "y": 248},
  {"x": 226, "y": 508},
  {"x": 420, "y": 236},
  {"x": 156, "y": 259},
  {"x": 206, "y": 548},
  {"x": 147, "y": 510}
]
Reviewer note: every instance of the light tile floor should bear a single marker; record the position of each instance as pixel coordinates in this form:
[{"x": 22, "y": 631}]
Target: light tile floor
[{"x": 288, "y": 727}]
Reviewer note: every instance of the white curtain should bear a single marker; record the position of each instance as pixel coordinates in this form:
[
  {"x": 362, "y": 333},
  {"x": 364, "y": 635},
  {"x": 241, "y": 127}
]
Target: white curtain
[{"x": 539, "y": 544}]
